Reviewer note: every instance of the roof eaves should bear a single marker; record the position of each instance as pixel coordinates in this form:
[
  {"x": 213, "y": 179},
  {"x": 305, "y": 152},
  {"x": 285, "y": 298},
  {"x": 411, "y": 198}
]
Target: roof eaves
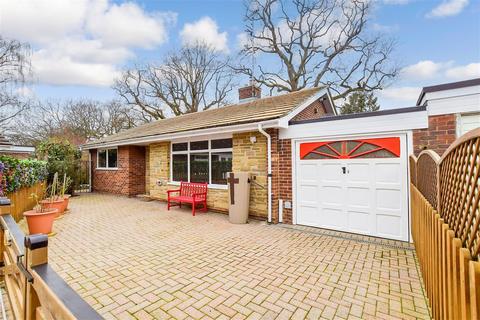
[
  {"x": 362, "y": 115},
  {"x": 267, "y": 123},
  {"x": 447, "y": 86}
]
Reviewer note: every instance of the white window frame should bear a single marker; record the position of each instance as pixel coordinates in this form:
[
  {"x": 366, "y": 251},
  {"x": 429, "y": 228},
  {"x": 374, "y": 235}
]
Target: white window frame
[
  {"x": 209, "y": 151},
  {"x": 106, "y": 159}
]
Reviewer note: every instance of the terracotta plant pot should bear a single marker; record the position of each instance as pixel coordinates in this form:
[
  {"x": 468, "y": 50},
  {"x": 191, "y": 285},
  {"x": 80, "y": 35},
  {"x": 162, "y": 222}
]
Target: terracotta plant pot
[
  {"x": 56, "y": 204},
  {"x": 65, "y": 202},
  {"x": 40, "y": 222}
]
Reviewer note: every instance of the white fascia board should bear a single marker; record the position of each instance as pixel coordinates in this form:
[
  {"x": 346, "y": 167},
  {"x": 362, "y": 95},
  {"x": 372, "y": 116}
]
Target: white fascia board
[
  {"x": 454, "y": 104},
  {"x": 442, "y": 94},
  {"x": 186, "y": 134},
  {"x": 354, "y": 126},
  {"x": 283, "y": 122},
  {"x": 329, "y": 95},
  {"x": 17, "y": 149}
]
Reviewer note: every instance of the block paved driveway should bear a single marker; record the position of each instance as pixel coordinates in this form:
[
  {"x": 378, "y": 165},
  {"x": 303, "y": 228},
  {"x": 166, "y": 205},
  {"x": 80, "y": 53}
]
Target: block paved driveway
[{"x": 135, "y": 260}]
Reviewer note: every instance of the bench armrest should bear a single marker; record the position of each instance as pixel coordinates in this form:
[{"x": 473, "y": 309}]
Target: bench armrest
[{"x": 172, "y": 191}]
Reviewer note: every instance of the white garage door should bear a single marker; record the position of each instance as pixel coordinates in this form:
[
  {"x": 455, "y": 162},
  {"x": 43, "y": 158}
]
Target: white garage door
[{"x": 357, "y": 185}]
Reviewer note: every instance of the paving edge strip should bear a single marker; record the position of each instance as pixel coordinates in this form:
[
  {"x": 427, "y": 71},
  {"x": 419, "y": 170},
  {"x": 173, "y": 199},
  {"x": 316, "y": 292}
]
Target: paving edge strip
[{"x": 348, "y": 236}]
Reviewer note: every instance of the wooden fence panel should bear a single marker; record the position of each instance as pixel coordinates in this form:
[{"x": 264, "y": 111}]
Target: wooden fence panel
[
  {"x": 427, "y": 176},
  {"x": 35, "y": 291},
  {"x": 445, "y": 195},
  {"x": 22, "y": 200}
]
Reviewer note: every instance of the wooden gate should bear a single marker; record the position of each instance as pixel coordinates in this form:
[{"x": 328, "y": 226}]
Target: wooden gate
[
  {"x": 82, "y": 180},
  {"x": 34, "y": 289},
  {"x": 445, "y": 194}
]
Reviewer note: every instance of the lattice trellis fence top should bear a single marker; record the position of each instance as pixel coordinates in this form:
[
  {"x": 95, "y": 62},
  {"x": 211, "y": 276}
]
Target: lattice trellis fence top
[
  {"x": 413, "y": 169},
  {"x": 427, "y": 176},
  {"x": 452, "y": 185},
  {"x": 460, "y": 190}
]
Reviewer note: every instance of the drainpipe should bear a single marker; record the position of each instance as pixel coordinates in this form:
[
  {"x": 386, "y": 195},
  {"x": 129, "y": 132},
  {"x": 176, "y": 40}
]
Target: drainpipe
[{"x": 269, "y": 171}]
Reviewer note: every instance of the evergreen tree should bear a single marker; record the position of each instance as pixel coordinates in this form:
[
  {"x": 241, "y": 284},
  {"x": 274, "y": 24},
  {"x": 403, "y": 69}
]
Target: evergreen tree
[{"x": 360, "y": 102}]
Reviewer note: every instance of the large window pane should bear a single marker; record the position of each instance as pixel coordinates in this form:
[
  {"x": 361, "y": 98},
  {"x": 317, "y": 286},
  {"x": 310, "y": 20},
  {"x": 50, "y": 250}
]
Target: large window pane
[
  {"x": 221, "y": 143},
  {"x": 180, "y": 146},
  {"x": 112, "y": 158},
  {"x": 199, "y": 167},
  {"x": 221, "y": 164},
  {"x": 199, "y": 145},
  {"x": 180, "y": 167},
  {"x": 102, "y": 158}
]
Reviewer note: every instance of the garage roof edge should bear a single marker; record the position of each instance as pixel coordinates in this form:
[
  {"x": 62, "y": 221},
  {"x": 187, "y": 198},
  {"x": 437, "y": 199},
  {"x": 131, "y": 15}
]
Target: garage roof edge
[{"x": 362, "y": 115}]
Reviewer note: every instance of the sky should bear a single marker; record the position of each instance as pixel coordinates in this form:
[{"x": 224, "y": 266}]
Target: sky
[{"x": 80, "y": 46}]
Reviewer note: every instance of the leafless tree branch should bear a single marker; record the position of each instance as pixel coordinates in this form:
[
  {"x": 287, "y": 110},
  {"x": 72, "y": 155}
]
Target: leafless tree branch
[
  {"x": 316, "y": 42},
  {"x": 77, "y": 121},
  {"x": 193, "y": 79},
  {"x": 14, "y": 67}
]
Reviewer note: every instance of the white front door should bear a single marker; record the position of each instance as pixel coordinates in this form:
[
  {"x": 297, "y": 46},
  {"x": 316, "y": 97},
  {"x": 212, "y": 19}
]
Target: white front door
[{"x": 353, "y": 186}]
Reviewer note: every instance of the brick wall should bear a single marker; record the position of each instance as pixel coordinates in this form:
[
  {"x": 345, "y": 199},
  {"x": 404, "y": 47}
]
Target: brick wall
[
  {"x": 129, "y": 177},
  {"x": 281, "y": 175},
  {"x": 147, "y": 169},
  {"x": 252, "y": 157},
  {"x": 438, "y": 136},
  {"x": 314, "y": 111},
  {"x": 17, "y": 155},
  {"x": 249, "y": 92}
]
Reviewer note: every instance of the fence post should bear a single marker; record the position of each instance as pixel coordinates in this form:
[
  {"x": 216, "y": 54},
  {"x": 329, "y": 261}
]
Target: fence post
[
  {"x": 474, "y": 285},
  {"x": 5, "y": 207},
  {"x": 36, "y": 247}
]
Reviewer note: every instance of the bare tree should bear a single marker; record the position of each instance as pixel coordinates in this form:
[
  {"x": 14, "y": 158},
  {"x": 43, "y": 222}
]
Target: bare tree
[
  {"x": 193, "y": 79},
  {"x": 77, "y": 121},
  {"x": 316, "y": 42},
  {"x": 14, "y": 66}
]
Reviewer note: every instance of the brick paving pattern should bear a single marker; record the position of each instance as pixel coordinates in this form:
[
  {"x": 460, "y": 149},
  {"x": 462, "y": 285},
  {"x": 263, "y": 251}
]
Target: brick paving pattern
[{"x": 134, "y": 260}]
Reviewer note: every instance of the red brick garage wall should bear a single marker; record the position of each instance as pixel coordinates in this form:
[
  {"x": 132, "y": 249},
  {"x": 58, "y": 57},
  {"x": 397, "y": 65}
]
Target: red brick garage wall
[
  {"x": 281, "y": 175},
  {"x": 441, "y": 132},
  {"x": 128, "y": 179}
]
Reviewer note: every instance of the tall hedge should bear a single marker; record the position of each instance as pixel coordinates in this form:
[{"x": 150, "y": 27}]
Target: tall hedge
[
  {"x": 19, "y": 173},
  {"x": 61, "y": 156}
]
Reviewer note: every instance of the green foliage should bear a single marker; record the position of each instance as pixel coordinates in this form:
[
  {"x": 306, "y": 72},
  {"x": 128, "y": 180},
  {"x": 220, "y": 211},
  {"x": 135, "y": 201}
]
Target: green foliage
[
  {"x": 38, "y": 206},
  {"x": 62, "y": 157},
  {"x": 19, "y": 173},
  {"x": 360, "y": 102},
  {"x": 63, "y": 188}
]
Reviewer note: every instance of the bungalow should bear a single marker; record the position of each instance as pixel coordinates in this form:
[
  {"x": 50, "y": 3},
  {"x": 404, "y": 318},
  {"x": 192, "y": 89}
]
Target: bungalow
[{"x": 309, "y": 165}]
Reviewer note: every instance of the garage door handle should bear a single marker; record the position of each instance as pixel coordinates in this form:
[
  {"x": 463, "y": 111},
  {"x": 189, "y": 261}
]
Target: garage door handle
[{"x": 344, "y": 169}]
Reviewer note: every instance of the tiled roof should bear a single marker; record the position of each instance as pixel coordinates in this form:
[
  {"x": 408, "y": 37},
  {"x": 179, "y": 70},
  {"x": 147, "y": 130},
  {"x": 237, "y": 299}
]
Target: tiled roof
[
  {"x": 252, "y": 111},
  {"x": 4, "y": 141}
]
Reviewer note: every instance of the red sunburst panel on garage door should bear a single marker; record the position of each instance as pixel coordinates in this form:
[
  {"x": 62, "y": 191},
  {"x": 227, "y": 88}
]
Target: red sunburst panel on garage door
[{"x": 351, "y": 149}]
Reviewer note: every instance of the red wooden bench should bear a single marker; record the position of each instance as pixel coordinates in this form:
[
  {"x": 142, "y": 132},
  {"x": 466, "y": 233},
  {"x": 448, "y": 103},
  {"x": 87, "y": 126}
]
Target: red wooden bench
[{"x": 189, "y": 192}]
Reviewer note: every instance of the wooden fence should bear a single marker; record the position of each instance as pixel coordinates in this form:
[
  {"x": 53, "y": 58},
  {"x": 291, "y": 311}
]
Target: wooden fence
[
  {"x": 22, "y": 200},
  {"x": 445, "y": 195},
  {"x": 34, "y": 289}
]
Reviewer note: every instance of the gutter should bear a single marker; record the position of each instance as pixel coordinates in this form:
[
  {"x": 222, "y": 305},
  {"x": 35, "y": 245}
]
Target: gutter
[{"x": 269, "y": 172}]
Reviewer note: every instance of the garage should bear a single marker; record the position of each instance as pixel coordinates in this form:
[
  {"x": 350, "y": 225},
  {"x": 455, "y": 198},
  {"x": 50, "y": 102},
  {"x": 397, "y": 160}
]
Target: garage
[{"x": 356, "y": 184}]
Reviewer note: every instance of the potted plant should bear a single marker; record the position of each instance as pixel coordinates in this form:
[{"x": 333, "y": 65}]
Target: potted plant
[
  {"x": 40, "y": 219},
  {"x": 63, "y": 188},
  {"x": 54, "y": 200}
]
